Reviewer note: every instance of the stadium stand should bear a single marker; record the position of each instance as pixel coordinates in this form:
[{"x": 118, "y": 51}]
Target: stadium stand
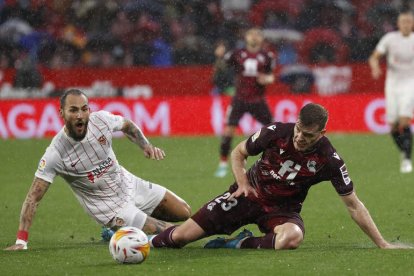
[{"x": 68, "y": 33}]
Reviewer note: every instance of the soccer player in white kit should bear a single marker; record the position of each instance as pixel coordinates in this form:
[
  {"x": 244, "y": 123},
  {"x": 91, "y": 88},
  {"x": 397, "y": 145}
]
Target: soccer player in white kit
[
  {"x": 398, "y": 47},
  {"x": 81, "y": 153}
]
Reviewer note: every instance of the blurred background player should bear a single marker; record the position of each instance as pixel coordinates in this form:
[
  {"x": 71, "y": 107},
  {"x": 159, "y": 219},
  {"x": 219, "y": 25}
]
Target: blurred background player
[
  {"x": 253, "y": 71},
  {"x": 82, "y": 154},
  {"x": 398, "y": 47}
]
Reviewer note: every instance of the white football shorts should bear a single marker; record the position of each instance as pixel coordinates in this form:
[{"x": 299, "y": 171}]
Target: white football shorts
[
  {"x": 147, "y": 197},
  {"x": 399, "y": 99}
]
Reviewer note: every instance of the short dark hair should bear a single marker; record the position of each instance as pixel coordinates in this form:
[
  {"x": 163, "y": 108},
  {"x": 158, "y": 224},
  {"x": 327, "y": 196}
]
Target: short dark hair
[
  {"x": 313, "y": 114},
  {"x": 72, "y": 91}
]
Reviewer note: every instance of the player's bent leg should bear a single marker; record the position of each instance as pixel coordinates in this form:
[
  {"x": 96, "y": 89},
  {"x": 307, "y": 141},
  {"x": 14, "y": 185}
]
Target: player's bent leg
[
  {"x": 188, "y": 232},
  {"x": 178, "y": 236},
  {"x": 288, "y": 236},
  {"x": 172, "y": 208}
]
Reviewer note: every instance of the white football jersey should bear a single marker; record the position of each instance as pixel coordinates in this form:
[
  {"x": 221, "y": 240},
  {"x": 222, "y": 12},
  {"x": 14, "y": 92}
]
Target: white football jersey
[
  {"x": 90, "y": 167},
  {"x": 399, "y": 51}
]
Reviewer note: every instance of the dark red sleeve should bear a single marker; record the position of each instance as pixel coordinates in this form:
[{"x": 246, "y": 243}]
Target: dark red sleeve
[
  {"x": 261, "y": 140},
  {"x": 270, "y": 63},
  {"x": 230, "y": 58},
  {"x": 339, "y": 175}
]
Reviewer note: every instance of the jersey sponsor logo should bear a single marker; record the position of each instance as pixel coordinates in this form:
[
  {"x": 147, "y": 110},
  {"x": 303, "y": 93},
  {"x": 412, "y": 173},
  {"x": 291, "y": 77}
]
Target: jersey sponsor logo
[
  {"x": 288, "y": 170},
  {"x": 335, "y": 155},
  {"x": 272, "y": 127},
  {"x": 42, "y": 164},
  {"x": 345, "y": 175},
  {"x": 311, "y": 166},
  {"x": 102, "y": 140},
  {"x": 256, "y": 135},
  {"x": 99, "y": 171}
]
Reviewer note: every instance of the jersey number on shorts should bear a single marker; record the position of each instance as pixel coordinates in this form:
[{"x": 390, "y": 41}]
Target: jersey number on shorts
[{"x": 225, "y": 205}]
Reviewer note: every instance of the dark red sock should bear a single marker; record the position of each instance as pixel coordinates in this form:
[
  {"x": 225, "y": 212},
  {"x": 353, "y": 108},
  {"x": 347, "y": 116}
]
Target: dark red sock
[
  {"x": 265, "y": 242},
  {"x": 164, "y": 239}
]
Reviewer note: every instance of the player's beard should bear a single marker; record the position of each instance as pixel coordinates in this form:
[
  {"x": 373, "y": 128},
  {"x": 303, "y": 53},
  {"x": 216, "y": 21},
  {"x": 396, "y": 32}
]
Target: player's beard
[{"x": 77, "y": 130}]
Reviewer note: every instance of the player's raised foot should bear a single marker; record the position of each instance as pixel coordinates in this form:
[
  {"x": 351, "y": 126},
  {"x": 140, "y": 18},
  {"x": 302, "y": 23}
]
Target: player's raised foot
[
  {"x": 221, "y": 170},
  {"x": 230, "y": 242},
  {"x": 106, "y": 233},
  {"x": 406, "y": 166}
]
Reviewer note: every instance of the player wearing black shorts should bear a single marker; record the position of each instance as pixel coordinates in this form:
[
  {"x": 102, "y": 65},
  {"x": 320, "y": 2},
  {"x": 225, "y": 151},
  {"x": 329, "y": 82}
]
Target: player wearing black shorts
[
  {"x": 253, "y": 70},
  {"x": 294, "y": 157}
]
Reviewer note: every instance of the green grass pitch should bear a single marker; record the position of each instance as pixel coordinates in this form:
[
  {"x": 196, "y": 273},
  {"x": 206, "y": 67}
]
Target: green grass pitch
[{"x": 65, "y": 241}]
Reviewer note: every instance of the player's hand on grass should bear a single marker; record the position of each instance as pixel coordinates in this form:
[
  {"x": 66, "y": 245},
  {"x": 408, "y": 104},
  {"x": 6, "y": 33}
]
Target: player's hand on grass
[
  {"x": 397, "y": 246},
  {"x": 16, "y": 247},
  {"x": 152, "y": 152}
]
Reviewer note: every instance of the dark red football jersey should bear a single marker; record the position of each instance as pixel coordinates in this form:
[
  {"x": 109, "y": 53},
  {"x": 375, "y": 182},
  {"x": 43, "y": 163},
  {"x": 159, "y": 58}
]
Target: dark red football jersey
[
  {"x": 247, "y": 66},
  {"x": 283, "y": 175}
]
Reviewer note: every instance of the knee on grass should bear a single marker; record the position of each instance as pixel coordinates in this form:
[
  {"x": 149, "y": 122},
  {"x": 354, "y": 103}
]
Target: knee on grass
[{"x": 289, "y": 239}]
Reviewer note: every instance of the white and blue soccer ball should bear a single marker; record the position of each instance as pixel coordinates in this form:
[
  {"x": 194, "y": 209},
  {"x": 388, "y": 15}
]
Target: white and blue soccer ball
[{"x": 129, "y": 245}]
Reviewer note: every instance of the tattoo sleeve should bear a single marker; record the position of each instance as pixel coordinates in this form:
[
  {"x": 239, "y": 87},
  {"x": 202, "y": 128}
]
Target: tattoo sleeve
[
  {"x": 35, "y": 194},
  {"x": 134, "y": 133},
  {"x": 154, "y": 226}
]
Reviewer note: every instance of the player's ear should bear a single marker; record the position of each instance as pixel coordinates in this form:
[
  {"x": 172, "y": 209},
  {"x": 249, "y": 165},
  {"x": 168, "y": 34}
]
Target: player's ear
[
  {"x": 61, "y": 112},
  {"x": 323, "y": 131}
]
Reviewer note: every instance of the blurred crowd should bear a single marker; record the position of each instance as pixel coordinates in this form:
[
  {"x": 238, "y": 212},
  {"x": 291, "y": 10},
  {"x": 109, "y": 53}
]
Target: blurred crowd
[{"x": 106, "y": 33}]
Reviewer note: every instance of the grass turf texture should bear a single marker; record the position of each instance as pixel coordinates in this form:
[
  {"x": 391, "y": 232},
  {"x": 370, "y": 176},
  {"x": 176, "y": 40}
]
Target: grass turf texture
[{"x": 64, "y": 240}]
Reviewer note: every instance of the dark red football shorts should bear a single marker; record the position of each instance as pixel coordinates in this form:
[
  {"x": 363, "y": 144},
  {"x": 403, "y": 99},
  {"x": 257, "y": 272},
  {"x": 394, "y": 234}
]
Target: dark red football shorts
[
  {"x": 224, "y": 216},
  {"x": 259, "y": 110}
]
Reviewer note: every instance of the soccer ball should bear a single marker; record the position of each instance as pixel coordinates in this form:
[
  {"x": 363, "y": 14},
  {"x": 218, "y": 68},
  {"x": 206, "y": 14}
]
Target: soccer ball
[{"x": 129, "y": 245}]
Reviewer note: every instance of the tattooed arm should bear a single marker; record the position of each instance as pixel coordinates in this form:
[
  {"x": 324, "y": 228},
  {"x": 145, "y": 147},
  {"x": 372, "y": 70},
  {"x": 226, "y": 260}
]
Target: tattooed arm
[
  {"x": 154, "y": 226},
  {"x": 134, "y": 133},
  {"x": 37, "y": 191}
]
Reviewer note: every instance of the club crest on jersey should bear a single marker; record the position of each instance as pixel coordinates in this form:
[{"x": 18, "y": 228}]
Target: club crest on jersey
[
  {"x": 312, "y": 166},
  {"x": 256, "y": 135},
  {"x": 42, "y": 164},
  {"x": 102, "y": 140}
]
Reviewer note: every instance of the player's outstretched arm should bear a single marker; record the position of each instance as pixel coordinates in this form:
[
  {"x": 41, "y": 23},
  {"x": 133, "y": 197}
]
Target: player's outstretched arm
[
  {"x": 134, "y": 133},
  {"x": 37, "y": 191},
  {"x": 361, "y": 216}
]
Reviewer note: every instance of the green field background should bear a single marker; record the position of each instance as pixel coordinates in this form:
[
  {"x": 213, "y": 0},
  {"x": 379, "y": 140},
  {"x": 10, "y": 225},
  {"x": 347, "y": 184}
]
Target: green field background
[{"x": 65, "y": 241}]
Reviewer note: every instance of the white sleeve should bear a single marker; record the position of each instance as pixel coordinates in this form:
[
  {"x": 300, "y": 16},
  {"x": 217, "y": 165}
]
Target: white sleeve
[
  {"x": 382, "y": 46},
  {"x": 115, "y": 122},
  {"x": 48, "y": 164}
]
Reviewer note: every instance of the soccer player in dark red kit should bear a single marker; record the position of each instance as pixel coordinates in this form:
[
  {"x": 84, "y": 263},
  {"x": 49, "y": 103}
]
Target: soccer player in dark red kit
[
  {"x": 294, "y": 157},
  {"x": 253, "y": 71}
]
